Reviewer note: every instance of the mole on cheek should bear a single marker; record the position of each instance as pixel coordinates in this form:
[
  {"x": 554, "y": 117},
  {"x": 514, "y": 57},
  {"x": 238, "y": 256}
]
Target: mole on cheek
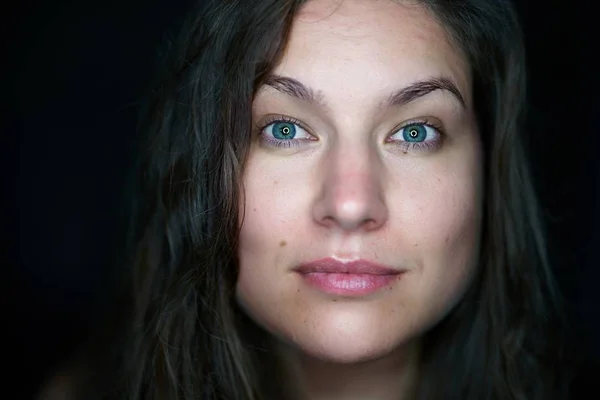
[{"x": 283, "y": 243}]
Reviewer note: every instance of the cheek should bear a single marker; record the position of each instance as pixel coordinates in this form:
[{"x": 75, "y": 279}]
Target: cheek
[
  {"x": 444, "y": 227},
  {"x": 270, "y": 210},
  {"x": 442, "y": 203},
  {"x": 447, "y": 218},
  {"x": 276, "y": 209},
  {"x": 267, "y": 233}
]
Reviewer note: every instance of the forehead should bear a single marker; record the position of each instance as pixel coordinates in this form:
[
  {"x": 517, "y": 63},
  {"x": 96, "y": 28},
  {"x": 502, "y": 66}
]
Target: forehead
[{"x": 357, "y": 49}]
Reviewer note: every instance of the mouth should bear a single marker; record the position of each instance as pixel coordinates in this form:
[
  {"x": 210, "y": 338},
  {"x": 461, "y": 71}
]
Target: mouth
[{"x": 353, "y": 278}]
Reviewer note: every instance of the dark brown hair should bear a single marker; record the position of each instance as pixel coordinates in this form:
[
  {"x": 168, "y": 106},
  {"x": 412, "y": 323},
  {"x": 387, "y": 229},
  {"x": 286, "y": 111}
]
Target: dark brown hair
[{"x": 181, "y": 335}]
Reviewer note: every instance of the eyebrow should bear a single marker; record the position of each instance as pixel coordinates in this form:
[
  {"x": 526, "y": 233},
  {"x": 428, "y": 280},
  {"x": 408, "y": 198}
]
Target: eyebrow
[{"x": 399, "y": 98}]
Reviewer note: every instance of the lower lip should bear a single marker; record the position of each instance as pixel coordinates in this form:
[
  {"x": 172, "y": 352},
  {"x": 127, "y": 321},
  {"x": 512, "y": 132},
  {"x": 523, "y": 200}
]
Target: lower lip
[{"x": 349, "y": 284}]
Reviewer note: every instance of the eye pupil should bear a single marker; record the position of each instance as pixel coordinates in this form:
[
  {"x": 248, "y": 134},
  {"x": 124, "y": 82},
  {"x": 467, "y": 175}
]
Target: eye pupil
[
  {"x": 284, "y": 130},
  {"x": 415, "y": 133}
]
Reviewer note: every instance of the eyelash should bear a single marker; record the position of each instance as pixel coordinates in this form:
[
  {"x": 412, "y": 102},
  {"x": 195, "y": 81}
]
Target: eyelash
[
  {"x": 277, "y": 142},
  {"x": 423, "y": 146},
  {"x": 406, "y": 146}
]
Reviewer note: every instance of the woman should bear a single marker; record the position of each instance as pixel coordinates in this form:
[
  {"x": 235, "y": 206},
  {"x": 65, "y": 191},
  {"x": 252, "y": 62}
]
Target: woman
[{"x": 334, "y": 202}]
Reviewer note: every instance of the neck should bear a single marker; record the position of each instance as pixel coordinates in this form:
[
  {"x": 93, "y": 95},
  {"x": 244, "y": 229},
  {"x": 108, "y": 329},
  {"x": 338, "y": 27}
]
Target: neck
[{"x": 393, "y": 377}]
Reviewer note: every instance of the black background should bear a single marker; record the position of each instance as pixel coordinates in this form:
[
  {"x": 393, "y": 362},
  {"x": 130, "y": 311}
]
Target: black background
[{"x": 73, "y": 72}]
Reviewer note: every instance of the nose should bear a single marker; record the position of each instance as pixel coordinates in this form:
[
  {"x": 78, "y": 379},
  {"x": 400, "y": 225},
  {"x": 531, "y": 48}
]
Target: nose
[{"x": 351, "y": 194}]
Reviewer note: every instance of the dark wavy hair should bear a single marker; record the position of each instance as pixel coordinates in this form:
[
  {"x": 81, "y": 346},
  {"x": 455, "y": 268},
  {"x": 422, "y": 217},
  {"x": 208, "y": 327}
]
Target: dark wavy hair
[{"x": 180, "y": 334}]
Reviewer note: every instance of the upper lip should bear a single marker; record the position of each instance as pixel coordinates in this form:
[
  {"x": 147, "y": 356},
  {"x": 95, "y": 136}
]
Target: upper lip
[{"x": 333, "y": 266}]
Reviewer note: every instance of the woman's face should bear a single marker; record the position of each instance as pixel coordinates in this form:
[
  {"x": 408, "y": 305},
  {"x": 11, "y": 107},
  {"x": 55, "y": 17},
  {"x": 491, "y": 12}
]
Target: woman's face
[{"x": 366, "y": 156}]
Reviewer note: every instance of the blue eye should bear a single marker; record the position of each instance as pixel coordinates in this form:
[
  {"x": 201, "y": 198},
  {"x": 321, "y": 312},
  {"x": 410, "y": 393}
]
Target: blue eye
[
  {"x": 415, "y": 133},
  {"x": 283, "y": 130},
  {"x": 417, "y": 136}
]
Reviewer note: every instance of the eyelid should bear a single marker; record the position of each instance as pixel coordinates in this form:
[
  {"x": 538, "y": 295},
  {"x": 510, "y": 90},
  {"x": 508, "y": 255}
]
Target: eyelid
[
  {"x": 429, "y": 145},
  {"x": 431, "y": 122},
  {"x": 270, "y": 141},
  {"x": 424, "y": 146},
  {"x": 270, "y": 119}
]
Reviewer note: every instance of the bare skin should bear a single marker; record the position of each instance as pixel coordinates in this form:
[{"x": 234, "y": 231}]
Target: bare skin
[{"x": 397, "y": 183}]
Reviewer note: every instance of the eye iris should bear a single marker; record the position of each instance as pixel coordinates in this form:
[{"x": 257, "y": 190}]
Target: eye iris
[
  {"x": 415, "y": 133},
  {"x": 284, "y": 130}
]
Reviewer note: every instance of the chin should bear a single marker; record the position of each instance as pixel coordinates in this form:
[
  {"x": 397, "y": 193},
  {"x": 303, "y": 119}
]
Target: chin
[
  {"x": 346, "y": 354},
  {"x": 347, "y": 339}
]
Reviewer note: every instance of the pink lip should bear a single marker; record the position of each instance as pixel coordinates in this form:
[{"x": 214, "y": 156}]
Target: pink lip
[{"x": 353, "y": 278}]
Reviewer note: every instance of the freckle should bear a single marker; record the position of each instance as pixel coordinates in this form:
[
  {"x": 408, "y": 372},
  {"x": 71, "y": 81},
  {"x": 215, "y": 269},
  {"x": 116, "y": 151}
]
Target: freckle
[
  {"x": 334, "y": 299},
  {"x": 416, "y": 244},
  {"x": 275, "y": 182},
  {"x": 298, "y": 291},
  {"x": 255, "y": 209},
  {"x": 282, "y": 243},
  {"x": 404, "y": 152}
]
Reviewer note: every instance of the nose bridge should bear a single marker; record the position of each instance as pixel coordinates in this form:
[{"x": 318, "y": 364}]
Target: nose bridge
[
  {"x": 352, "y": 188},
  {"x": 350, "y": 172}
]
